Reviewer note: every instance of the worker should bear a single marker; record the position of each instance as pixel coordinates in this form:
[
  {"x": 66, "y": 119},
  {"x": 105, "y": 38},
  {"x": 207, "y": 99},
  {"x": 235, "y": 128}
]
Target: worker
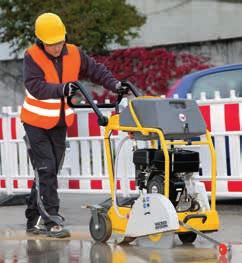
[{"x": 51, "y": 68}]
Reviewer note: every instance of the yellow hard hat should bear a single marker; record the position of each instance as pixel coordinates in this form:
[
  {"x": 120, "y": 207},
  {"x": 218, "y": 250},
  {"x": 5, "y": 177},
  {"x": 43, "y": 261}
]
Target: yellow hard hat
[{"x": 49, "y": 28}]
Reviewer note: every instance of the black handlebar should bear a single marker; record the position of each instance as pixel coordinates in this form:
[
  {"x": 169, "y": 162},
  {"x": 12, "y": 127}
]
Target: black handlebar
[
  {"x": 102, "y": 120},
  {"x": 130, "y": 87}
]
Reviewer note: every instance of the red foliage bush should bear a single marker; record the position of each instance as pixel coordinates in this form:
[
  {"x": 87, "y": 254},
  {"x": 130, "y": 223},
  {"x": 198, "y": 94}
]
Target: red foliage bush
[{"x": 151, "y": 70}]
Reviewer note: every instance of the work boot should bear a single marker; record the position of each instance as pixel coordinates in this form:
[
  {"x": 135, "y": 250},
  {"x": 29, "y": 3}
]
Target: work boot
[
  {"x": 58, "y": 231},
  {"x": 36, "y": 226}
]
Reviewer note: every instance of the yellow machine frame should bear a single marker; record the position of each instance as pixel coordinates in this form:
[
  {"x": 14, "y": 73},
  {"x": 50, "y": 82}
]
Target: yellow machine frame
[{"x": 119, "y": 223}]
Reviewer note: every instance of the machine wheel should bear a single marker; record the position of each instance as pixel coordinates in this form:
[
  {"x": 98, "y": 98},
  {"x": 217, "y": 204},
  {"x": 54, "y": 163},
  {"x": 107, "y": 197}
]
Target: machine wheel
[
  {"x": 104, "y": 230},
  {"x": 155, "y": 185},
  {"x": 188, "y": 237}
]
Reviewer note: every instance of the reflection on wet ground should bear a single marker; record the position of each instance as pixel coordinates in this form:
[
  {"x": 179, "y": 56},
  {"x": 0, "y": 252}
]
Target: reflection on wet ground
[{"x": 73, "y": 251}]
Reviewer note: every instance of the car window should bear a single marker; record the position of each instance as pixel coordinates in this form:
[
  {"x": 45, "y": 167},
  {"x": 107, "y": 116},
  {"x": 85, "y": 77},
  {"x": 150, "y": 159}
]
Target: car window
[{"x": 221, "y": 81}]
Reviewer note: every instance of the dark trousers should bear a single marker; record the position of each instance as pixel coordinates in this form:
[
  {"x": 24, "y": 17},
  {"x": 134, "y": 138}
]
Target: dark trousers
[{"x": 48, "y": 148}]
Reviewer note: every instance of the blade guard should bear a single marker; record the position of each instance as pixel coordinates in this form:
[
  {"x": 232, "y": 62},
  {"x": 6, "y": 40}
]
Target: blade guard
[{"x": 151, "y": 214}]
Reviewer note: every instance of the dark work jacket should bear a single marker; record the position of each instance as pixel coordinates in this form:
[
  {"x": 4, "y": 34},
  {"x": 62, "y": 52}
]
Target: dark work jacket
[{"x": 36, "y": 85}]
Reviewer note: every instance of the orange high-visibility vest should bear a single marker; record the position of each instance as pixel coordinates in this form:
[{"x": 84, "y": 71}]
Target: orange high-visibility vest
[{"x": 46, "y": 113}]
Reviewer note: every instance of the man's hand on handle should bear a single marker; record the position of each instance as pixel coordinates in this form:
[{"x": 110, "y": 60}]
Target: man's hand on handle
[{"x": 70, "y": 88}]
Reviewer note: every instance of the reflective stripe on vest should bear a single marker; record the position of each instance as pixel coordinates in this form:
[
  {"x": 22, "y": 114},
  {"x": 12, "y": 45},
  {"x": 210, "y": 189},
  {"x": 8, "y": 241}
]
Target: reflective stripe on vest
[{"x": 46, "y": 113}]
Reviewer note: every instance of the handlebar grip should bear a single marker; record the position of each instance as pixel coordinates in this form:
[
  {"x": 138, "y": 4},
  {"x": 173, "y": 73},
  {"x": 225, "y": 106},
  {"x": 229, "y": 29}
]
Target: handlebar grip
[
  {"x": 102, "y": 120},
  {"x": 131, "y": 87}
]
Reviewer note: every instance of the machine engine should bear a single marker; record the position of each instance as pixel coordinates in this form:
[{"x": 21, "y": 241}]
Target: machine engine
[{"x": 149, "y": 174}]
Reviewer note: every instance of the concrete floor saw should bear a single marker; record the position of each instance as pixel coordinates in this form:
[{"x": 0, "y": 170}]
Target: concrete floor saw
[{"x": 169, "y": 198}]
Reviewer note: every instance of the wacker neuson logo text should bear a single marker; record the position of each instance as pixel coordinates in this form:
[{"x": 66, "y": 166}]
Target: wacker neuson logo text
[{"x": 160, "y": 225}]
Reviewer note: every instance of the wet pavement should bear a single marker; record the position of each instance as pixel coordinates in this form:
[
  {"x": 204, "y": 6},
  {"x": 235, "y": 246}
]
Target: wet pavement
[
  {"x": 54, "y": 251},
  {"x": 16, "y": 246}
]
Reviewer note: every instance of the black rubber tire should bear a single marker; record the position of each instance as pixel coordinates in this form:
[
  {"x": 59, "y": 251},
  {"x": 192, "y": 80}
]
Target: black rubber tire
[
  {"x": 157, "y": 183},
  {"x": 188, "y": 237},
  {"x": 105, "y": 228},
  {"x": 100, "y": 253}
]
